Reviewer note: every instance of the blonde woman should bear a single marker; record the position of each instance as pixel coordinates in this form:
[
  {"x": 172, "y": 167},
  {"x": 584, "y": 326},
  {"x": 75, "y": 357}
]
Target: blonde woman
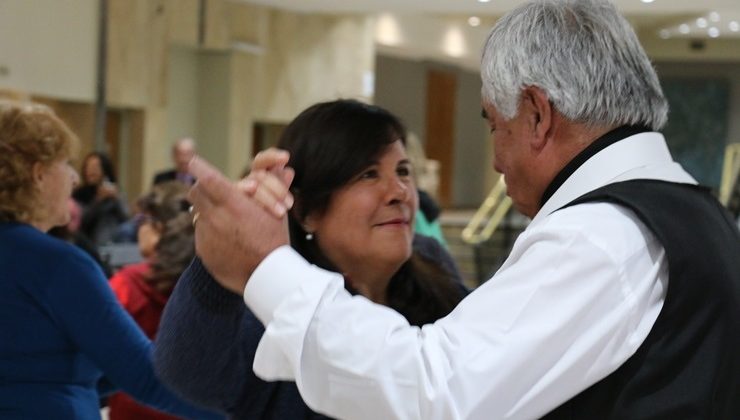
[{"x": 64, "y": 340}]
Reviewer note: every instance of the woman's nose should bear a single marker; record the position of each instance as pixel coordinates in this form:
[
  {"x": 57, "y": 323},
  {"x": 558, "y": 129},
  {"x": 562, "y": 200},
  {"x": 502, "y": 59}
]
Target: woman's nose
[
  {"x": 75, "y": 178},
  {"x": 398, "y": 190}
]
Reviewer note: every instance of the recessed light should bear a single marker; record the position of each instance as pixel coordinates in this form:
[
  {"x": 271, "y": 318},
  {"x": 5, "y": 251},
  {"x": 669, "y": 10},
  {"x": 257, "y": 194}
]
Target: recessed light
[
  {"x": 684, "y": 28},
  {"x": 483, "y": 1},
  {"x": 713, "y": 32},
  {"x": 701, "y": 22},
  {"x": 474, "y": 21},
  {"x": 714, "y": 16},
  {"x": 647, "y": 1},
  {"x": 734, "y": 26}
]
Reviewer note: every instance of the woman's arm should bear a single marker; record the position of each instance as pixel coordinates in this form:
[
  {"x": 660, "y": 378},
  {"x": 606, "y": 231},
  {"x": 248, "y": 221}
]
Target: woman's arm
[
  {"x": 206, "y": 344},
  {"x": 86, "y": 309}
]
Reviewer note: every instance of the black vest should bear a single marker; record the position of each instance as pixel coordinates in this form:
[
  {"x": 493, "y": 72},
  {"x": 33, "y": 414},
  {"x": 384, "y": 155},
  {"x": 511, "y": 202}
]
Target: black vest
[{"x": 689, "y": 365}]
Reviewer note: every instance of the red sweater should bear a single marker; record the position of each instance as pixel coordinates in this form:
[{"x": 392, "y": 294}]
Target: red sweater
[{"x": 145, "y": 305}]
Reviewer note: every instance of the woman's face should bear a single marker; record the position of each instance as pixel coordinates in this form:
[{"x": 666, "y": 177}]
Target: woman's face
[
  {"x": 148, "y": 236},
  {"x": 55, "y": 183},
  {"x": 93, "y": 171},
  {"x": 370, "y": 220}
]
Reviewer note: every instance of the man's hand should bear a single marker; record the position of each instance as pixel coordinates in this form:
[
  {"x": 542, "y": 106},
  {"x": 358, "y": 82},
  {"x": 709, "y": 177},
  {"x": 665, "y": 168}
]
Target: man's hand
[{"x": 233, "y": 234}]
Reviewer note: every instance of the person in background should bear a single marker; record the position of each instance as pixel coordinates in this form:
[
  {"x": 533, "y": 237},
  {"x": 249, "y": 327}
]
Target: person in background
[
  {"x": 354, "y": 214},
  {"x": 427, "y": 218},
  {"x": 103, "y": 205},
  {"x": 64, "y": 339},
  {"x": 182, "y": 152},
  {"x": 619, "y": 300},
  {"x": 71, "y": 233},
  {"x": 166, "y": 241}
]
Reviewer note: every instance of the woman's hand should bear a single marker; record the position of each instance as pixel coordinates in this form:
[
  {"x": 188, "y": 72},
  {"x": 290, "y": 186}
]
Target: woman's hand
[
  {"x": 106, "y": 190},
  {"x": 269, "y": 181}
]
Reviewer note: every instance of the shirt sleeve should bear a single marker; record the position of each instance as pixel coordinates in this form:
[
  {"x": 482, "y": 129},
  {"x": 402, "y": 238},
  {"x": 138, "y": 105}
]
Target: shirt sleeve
[
  {"x": 564, "y": 311},
  {"x": 84, "y": 305}
]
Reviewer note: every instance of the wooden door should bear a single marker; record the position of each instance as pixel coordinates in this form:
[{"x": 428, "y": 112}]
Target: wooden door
[{"x": 440, "y": 128}]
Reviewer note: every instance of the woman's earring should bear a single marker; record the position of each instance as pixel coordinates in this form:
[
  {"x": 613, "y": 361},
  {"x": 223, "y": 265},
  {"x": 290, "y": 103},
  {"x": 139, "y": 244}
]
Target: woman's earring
[{"x": 309, "y": 236}]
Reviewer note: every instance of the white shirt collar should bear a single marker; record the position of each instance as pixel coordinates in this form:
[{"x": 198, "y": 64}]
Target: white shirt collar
[{"x": 641, "y": 156}]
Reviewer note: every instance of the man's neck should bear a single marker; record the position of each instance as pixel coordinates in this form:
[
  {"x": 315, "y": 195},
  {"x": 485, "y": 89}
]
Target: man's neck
[{"x": 585, "y": 143}]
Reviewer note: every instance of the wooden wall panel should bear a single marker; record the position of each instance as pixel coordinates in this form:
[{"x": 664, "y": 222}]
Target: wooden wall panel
[
  {"x": 183, "y": 17},
  {"x": 216, "y": 25},
  {"x": 440, "y": 127},
  {"x": 137, "y": 53}
]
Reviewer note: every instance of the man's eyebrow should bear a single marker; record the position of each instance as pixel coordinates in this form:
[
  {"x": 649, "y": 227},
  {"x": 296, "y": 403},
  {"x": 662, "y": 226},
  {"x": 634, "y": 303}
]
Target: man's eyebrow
[{"x": 483, "y": 113}]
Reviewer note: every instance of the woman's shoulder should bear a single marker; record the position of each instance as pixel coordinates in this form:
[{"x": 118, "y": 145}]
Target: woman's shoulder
[
  {"x": 29, "y": 242},
  {"x": 33, "y": 258},
  {"x": 431, "y": 250},
  {"x": 426, "y": 245}
]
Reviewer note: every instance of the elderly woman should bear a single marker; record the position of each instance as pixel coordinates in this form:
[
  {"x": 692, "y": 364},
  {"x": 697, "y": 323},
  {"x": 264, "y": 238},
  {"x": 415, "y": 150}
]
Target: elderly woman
[
  {"x": 355, "y": 202},
  {"x": 63, "y": 337}
]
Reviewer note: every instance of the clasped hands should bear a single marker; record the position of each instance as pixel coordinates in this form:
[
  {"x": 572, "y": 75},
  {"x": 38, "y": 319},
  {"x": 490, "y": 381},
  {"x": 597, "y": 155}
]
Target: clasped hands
[{"x": 240, "y": 223}]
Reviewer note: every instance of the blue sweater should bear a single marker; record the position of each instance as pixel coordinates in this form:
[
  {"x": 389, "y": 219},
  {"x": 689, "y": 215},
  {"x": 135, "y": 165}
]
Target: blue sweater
[
  {"x": 207, "y": 341},
  {"x": 61, "y": 330}
]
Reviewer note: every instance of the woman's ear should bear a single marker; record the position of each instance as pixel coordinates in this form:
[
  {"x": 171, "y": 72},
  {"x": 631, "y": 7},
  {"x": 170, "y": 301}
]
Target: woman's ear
[
  {"x": 39, "y": 172},
  {"x": 310, "y": 223}
]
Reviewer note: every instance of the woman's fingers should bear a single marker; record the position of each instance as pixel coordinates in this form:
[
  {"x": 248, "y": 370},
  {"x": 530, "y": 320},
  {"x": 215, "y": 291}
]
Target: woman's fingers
[
  {"x": 269, "y": 159},
  {"x": 269, "y": 190}
]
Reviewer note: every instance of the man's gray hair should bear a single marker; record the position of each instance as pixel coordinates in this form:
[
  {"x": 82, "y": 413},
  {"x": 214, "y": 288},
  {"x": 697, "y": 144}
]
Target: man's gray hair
[{"x": 583, "y": 54}]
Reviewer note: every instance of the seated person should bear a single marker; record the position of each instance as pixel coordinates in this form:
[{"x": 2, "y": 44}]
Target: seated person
[
  {"x": 182, "y": 151},
  {"x": 166, "y": 242},
  {"x": 103, "y": 205}
]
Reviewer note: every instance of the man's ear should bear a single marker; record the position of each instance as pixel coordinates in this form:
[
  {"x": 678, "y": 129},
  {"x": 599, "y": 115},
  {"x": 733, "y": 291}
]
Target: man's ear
[{"x": 542, "y": 115}]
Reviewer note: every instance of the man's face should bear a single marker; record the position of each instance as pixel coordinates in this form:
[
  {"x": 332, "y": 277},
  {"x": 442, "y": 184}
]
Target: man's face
[
  {"x": 514, "y": 159},
  {"x": 182, "y": 155}
]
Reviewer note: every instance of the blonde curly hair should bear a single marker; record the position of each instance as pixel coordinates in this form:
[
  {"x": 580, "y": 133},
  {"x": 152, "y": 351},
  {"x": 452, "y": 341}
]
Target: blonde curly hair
[{"x": 29, "y": 133}]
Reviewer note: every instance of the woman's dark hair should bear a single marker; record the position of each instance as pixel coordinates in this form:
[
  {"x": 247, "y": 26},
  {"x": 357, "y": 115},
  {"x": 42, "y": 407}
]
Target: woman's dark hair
[
  {"x": 105, "y": 164},
  {"x": 85, "y": 193},
  {"x": 166, "y": 205},
  {"x": 329, "y": 144}
]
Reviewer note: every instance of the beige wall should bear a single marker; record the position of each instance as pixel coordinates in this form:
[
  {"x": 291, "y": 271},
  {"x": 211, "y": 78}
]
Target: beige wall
[
  {"x": 312, "y": 58},
  {"x": 182, "y": 93},
  {"x": 49, "y": 47}
]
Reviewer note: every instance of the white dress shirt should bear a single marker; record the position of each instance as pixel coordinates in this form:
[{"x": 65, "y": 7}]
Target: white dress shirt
[{"x": 577, "y": 296}]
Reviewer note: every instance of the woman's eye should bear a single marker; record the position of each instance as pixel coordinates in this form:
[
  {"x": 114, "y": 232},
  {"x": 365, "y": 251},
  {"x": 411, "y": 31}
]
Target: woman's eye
[
  {"x": 403, "y": 171},
  {"x": 369, "y": 174}
]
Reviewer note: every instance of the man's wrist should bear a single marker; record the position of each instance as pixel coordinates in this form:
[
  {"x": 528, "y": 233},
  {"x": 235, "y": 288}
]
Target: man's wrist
[{"x": 272, "y": 280}]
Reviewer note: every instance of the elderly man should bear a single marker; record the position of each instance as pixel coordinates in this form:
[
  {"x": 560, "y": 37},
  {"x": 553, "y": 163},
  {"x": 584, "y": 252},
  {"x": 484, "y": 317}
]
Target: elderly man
[
  {"x": 182, "y": 153},
  {"x": 620, "y": 300}
]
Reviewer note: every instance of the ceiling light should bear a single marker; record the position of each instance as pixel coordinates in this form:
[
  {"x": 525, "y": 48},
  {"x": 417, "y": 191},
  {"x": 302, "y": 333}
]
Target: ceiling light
[
  {"x": 684, "y": 28},
  {"x": 713, "y": 32},
  {"x": 714, "y": 16},
  {"x": 483, "y": 1},
  {"x": 734, "y": 26},
  {"x": 701, "y": 22},
  {"x": 454, "y": 42},
  {"x": 388, "y": 30},
  {"x": 647, "y": 1},
  {"x": 665, "y": 33},
  {"x": 474, "y": 21}
]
